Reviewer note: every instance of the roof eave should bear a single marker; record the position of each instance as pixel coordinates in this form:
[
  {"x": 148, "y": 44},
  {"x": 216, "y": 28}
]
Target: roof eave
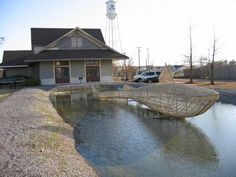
[
  {"x": 14, "y": 66},
  {"x": 73, "y": 59}
]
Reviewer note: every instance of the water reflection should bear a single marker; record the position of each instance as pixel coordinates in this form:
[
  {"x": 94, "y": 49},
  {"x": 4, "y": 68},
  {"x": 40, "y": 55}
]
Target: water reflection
[
  {"x": 180, "y": 138},
  {"x": 177, "y": 137},
  {"x": 126, "y": 140}
]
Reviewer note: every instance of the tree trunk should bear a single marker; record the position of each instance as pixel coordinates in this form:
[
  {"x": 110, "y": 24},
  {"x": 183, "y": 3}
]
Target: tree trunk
[
  {"x": 213, "y": 60},
  {"x": 191, "y": 55},
  {"x": 212, "y": 73}
]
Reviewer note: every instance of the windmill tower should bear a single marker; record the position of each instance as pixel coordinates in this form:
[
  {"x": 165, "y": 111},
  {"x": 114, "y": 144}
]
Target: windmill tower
[{"x": 112, "y": 26}]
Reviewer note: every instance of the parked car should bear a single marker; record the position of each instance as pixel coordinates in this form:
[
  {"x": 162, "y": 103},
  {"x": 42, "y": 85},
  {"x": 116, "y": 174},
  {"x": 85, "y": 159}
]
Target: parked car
[{"x": 148, "y": 76}]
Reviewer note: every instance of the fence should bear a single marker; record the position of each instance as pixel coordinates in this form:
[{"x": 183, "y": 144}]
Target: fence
[{"x": 221, "y": 72}]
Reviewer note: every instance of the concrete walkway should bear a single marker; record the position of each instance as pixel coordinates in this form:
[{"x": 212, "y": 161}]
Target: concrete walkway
[{"x": 34, "y": 140}]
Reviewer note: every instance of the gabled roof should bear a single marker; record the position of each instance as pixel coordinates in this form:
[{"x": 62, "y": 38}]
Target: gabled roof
[
  {"x": 48, "y": 36},
  {"x": 49, "y": 55},
  {"x": 15, "y": 57},
  {"x": 44, "y": 36},
  {"x": 84, "y": 34}
]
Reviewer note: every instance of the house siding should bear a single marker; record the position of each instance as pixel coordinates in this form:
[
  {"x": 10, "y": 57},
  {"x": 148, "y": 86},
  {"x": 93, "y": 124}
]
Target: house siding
[
  {"x": 52, "y": 44},
  {"x": 65, "y": 43},
  {"x": 46, "y": 73},
  {"x": 106, "y": 70},
  {"x": 33, "y": 70},
  {"x": 16, "y": 71},
  {"x": 77, "y": 70},
  {"x": 36, "y": 71},
  {"x": 1, "y": 73}
]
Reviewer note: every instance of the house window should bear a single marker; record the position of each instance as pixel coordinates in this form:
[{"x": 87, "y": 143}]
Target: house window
[
  {"x": 92, "y": 71},
  {"x": 76, "y": 42},
  {"x": 62, "y": 71},
  {"x": 61, "y": 63},
  {"x": 92, "y": 62}
]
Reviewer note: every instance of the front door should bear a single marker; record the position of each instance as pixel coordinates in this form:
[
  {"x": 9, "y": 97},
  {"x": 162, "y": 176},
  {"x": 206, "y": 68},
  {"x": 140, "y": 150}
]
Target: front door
[
  {"x": 62, "y": 75},
  {"x": 92, "y": 73}
]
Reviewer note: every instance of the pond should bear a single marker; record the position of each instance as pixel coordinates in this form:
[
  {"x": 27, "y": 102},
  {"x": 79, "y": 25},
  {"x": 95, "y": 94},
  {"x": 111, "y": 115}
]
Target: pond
[{"x": 127, "y": 139}]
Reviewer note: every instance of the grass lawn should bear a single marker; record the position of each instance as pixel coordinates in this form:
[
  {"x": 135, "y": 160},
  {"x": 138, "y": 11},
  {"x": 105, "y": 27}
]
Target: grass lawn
[{"x": 4, "y": 93}]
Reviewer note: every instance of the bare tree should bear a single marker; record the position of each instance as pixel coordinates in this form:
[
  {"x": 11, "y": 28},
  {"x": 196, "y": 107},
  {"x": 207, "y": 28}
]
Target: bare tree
[
  {"x": 190, "y": 56},
  {"x": 1, "y": 40},
  {"x": 130, "y": 69},
  {"x": 115, "y": 69},
  {"x": 232, "y": 62},
  {"x": 203, "y": 62},
  {"x": 125, "y": 70},
  {"x": 214, "y": 50}
]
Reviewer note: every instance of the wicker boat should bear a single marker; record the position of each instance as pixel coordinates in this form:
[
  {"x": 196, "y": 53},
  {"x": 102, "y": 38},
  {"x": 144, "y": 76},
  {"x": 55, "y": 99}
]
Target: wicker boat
[{"x": 174, "y": 100}]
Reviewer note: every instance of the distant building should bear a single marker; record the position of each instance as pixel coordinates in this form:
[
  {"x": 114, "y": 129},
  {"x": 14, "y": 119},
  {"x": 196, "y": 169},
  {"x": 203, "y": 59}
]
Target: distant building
[{"x": 62, "y": 55}]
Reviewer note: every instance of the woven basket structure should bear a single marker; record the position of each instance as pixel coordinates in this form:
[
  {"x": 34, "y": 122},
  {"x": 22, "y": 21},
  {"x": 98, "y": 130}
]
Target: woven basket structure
[{"x": 176, "y": 100}]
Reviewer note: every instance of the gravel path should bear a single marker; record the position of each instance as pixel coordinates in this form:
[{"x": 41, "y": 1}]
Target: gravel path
[{"x": 34, "y": 140}]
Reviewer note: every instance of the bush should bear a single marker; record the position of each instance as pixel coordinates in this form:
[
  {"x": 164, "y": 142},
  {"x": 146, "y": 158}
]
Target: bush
[{"x": 32, "y": 82}]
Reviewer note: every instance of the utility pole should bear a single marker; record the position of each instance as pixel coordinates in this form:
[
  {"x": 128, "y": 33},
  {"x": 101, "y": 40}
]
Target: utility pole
[
  {"x": 139, "y": 59},
  {"x": 209, "y": 54},
  {"x": 147, "y": 60}
]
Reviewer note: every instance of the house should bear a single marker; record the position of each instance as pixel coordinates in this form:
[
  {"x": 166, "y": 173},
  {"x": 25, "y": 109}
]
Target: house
[
  {"x": 1, "y": 73},
  {"x": 60, "y": 55}
]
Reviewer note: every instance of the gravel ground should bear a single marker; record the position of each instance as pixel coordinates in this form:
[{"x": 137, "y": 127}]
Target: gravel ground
[{"x": 34, "y": 140}]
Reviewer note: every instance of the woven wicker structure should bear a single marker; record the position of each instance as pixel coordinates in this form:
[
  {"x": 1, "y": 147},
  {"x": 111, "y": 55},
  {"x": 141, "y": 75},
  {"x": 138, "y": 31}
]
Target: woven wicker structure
[
  {"x": 166, "y": 77},
  {"x": 175, "y": 100}
]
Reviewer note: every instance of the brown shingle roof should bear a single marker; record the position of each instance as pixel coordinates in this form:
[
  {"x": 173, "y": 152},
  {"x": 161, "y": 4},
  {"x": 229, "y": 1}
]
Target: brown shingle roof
[
  {"x": 15, "y": 57},
  {"x": 44, "y": 36},
  {"x": 75, "y": 54}
]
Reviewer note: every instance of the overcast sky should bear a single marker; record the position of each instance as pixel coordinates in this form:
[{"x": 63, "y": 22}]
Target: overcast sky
[{"x": 160, "y": 25}]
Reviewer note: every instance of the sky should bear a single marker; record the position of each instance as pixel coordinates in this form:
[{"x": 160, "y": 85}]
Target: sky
[{"x": 160, "y": 25}]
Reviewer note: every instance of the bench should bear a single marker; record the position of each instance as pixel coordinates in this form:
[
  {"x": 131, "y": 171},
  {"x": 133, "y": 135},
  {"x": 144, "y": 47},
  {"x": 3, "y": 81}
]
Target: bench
[{"x": 12, "y": 81}]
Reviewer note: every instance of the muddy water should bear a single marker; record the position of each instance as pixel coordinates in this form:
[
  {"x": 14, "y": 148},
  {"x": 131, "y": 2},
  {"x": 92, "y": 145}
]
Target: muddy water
[{"x": 128, "y": 140}]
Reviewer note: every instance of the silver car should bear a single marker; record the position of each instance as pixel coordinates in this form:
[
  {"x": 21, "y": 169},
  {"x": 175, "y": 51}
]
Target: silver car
[{"x": 147, "y": 76}]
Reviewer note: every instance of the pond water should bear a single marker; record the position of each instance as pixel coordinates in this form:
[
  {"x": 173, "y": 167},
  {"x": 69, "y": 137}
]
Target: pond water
[{"x": 121, "y": 139}]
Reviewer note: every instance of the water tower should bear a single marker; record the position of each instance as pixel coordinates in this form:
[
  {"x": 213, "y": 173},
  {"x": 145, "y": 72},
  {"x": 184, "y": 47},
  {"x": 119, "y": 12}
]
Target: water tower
[{"x": 112, "y": 26}]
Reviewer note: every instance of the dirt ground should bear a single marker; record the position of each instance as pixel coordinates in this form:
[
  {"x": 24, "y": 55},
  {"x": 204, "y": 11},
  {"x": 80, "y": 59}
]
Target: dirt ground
[{"x": 229, "y": 85}]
